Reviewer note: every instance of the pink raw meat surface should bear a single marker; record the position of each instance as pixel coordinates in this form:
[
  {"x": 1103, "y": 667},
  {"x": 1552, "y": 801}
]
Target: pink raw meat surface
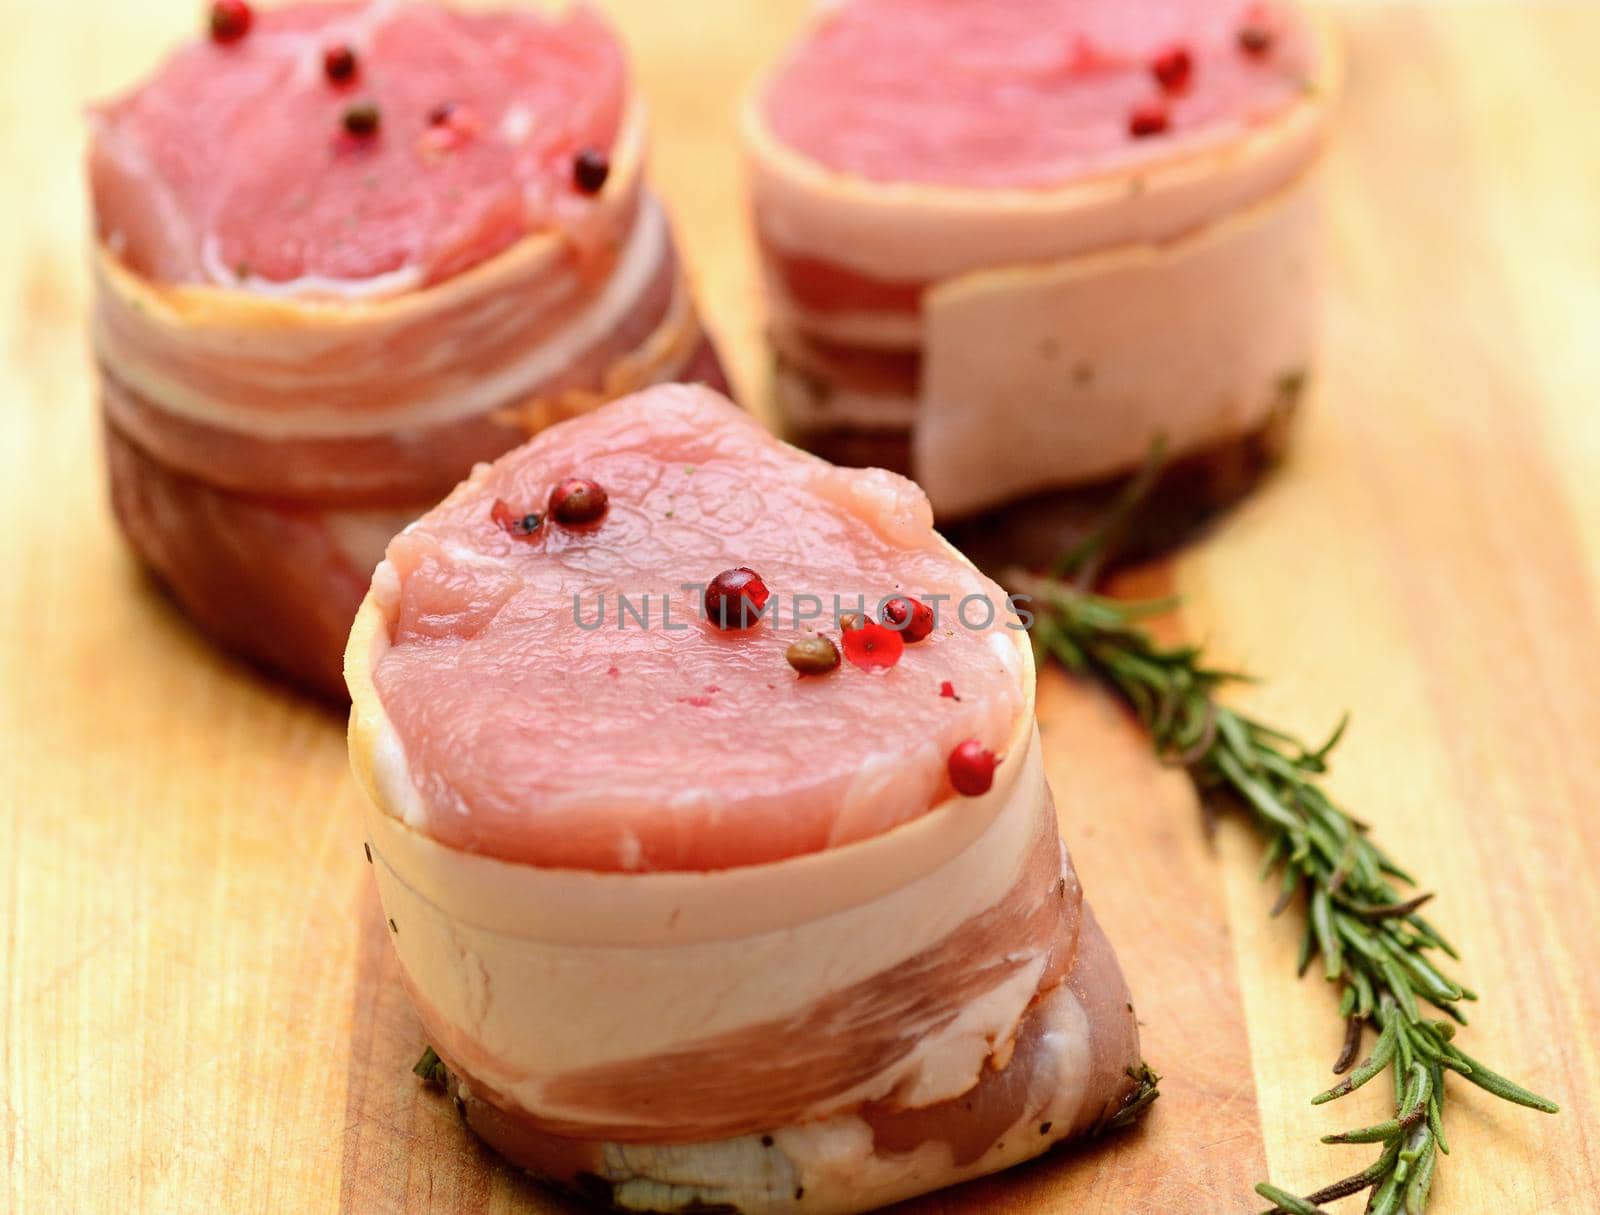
[
  {"x": 535, "y": 740},
  {"x": 233, "y": 163},
  {"x": 1023, "y": 93}
]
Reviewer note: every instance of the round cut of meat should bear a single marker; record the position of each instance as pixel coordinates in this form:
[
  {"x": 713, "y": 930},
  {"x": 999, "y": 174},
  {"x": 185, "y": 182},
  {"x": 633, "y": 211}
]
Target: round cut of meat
[
  {"x": 235, "y": 164},
  {"x": 1010, "y": 246},
  {"x": 995, "y": 93},
  {"x": 562, "y": 702},
  {"x": 322, "y": 296},
  {"x": 687, "y": 929}
]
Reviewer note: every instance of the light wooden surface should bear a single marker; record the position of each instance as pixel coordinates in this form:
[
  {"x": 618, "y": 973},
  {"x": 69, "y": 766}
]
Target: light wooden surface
[{"x": 200, "y": 1008}]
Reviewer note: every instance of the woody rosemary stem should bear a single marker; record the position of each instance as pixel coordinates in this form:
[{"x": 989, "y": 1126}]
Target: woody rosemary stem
[{"x": 1375, "y": 948}]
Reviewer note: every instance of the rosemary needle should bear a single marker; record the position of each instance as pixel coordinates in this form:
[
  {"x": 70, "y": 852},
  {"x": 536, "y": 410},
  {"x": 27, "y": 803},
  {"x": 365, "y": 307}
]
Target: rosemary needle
[{"x": 1374, "y": 946}]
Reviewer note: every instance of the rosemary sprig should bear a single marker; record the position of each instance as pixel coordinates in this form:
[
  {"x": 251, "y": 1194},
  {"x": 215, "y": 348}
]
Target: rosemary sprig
[
  {"x": 1373, "y": 943},
  {"x": 432, "y": 1070}
]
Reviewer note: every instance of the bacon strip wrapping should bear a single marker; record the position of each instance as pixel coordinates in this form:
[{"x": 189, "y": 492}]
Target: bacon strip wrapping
[
  {"x": 741, "y": 950},
  {"x": 986, "y": 280},
  {"x": 267, "y": 436}
]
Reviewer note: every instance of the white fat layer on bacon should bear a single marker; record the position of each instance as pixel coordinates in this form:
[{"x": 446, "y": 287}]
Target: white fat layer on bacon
[
  {"x": 456, "y": 396},
  {"x": 506, "y": 965},
  {"x": 831, "y": 1167},
  {"x": 1040, "y": 376},
  {"x": 946, "y": 1064},
  {"x": 1058, "y": 373}
]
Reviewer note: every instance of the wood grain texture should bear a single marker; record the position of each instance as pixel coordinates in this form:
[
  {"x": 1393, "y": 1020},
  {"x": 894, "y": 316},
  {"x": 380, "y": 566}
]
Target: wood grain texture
[{"x": 200, "y": 1007}]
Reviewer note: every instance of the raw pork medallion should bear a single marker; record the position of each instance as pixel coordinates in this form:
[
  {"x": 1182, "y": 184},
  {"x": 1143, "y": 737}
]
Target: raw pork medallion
[
  {"x": 1009, "y": 244},
  {"x": 345, "y": 251},
  {"x": 696, "y": 917}
]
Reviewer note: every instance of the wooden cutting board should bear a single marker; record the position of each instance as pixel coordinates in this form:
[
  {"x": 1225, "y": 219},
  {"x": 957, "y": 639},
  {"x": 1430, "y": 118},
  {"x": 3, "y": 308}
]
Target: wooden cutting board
[{"x": 201, "y": 1011}]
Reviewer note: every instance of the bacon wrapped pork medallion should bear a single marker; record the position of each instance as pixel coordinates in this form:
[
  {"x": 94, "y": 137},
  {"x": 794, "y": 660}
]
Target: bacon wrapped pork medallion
[
  {"x": 1009, "y": 244},
  {"x": 345, "y": 251},
  {"x": 706, "y": 901}
]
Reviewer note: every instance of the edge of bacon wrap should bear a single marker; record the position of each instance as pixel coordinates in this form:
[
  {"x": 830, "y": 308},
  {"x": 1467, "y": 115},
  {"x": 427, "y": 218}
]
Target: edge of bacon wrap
[
  {"x": 875, "y": 291},
  {"x": 242, "y": 421},
  {"x": 370, "y": 400},
  {"x": 876, "y": 1019}
]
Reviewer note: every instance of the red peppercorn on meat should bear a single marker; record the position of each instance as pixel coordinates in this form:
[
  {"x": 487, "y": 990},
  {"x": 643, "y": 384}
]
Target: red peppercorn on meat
[
  {"x": 688, "y": 931},
  {"x": 344, "y": 255},
  {"x": 1008, "y": 245}
]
